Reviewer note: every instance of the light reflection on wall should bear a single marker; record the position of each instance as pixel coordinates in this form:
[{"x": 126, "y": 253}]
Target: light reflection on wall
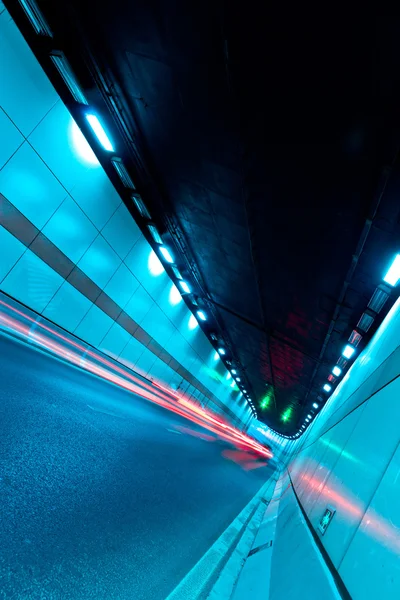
[
  {"x": 174, "y": 295},
  {"x": 81, "y": 145},
  {"x": 374, "y": 525},
  {"x": 154, "y": 264},
  {"x": 192, "y": 324}
]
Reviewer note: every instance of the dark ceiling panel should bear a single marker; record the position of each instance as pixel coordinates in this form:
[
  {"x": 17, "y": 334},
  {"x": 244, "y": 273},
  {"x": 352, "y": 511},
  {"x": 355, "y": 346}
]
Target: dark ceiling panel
[{"x": 273, "y": 143}]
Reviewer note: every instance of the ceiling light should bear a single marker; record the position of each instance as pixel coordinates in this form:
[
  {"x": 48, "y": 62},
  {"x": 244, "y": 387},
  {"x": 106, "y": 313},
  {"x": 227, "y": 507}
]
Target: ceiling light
[
  {"x": 365, "y": 322},
  {"x": 185, "y": 287},
  {"x": 309, "y": 416},
  {"x": 140, "y": 205},
  {"x": 167, "y": 255},
  {"x": 244, "y": 391},
  {"x": 393, "y": 275},
  {"x": 337, "y": 371},
  {"x": 201, "y": 315},
  {"x": 154, "y": 234},
  {"x": 327, "y": 387},
  {"x": 35, "y": 17},
  {"x": 99, "y": 132},
  {"x": 348, "y": 351},
  {"x": 238, "y": 379},
  {"x": 233, "y": 371},
  {"x": 63, "y": 67},
  {"x": 123, "y": 174},
  {"x": 221, "y": 351},
  {"x": 378, "y": 300},
  {"x": 315, "y": 405}
]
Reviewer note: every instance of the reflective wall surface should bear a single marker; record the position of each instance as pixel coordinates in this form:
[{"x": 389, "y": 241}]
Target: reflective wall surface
[
  {"x": 70, "y": 250},
  {"x": 349, "y": 460}
]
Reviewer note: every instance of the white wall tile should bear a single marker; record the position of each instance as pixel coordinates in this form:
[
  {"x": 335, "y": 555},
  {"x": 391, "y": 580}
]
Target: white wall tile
[
  {"x": 158, "y": 326},
  {"x": 97, "y": 197},
  {"x": 139, "y": 305},
  {"x": 23, "y": 80},
  {"x": 100, "y": 262},
  {"x": 70, "y": 230},
  {"x": 131, "y": 353},
  {"x": 122, "y": 286},
  {"x": 94, "y": 326},
  {"x": 32, "y": 282},
  {"x": 11, "y": 138},
  {"x": 30, "y": 186},
  {"x": 121, "y": 231},
  {"x": 138, "y": 262},
  {"x": 11, "y": 250},
  {"x": 371, "y": 566},
  {"x": 67, "y": 307},
  {"x": 114, "y": 341},
  {"x": 53, "y": 140}
]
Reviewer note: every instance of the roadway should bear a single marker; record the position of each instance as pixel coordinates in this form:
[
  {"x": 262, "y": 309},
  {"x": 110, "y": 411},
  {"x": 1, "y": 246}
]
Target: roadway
[{"x": 102, "y": 493}]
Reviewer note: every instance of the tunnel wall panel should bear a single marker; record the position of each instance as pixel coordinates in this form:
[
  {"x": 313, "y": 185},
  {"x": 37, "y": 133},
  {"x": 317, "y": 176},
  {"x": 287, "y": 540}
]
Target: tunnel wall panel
[
  {"x": 349, "y": 459},
  {"x": 71, "y": 250}
]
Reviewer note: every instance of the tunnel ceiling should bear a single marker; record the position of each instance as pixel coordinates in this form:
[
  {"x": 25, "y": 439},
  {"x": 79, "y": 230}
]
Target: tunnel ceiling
[{"x": 269, "y": 139}]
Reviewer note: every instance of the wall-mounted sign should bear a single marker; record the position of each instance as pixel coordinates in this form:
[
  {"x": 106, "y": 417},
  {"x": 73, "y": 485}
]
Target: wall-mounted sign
[{"x": 326, "y": 519}]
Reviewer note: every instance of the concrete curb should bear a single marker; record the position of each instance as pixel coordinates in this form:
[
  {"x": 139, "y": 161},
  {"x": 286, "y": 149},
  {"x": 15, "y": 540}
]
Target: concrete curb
[{"x": 234, "y": 544}]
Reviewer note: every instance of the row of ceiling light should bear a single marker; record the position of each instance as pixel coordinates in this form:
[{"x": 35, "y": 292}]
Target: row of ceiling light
[
  {"x": 376, "y": 303},
  {"x": 64, "y": 69}
]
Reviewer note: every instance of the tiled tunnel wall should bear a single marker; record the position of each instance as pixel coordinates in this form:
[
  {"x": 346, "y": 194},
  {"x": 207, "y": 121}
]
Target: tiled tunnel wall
[
  {"x": 70, "y": 250},
  {"x": 350, "y": 460}
]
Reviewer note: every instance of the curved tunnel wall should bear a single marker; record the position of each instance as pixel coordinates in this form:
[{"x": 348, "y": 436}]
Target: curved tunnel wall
[
  {"x": 70, "y": 250},
  {"x": 350, "y": 460}
]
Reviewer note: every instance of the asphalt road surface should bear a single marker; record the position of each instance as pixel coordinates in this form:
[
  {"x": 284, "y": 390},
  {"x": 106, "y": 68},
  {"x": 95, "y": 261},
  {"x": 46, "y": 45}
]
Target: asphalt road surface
[{"x": 103, "y": 494}]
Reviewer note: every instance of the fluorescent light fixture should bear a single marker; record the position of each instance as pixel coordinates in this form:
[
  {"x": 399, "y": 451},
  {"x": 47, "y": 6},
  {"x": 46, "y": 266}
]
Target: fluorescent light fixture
[
  {"x": 176, "y": 273},
  {"x": 154, "y": 234},
  {"x": 166, "y": 254},
  {"x": 337, "y": 371},
  {"x": 378, "y": 300},
  {"x": 315, "y": 405},
  {"x": 36, "y": 18},
  {"x": 64, "y": 68},
  {"x": 140, "y": 205},
  {"x": 365, "y": 322},
  {"x": 185, "y": 287},
  {"x": 327, "y": 387},
  {"x": 123, "y": 174},
  {"x": 201, "y": 315},
  {"x": 155, "y": 264},
  {"x": 244, "y": 391},
  {"x": 393, "y": 275},
  {"x": 99, "y": 132},
  {"x": 238, "y": 379},
  {"x": 233, "y": 371},
  {"x": 348, "y": 351},
  {"x": 221, "y": 351}
]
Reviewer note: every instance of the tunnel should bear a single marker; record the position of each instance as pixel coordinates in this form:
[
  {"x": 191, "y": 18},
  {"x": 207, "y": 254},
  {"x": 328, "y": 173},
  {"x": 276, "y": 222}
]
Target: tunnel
[{"x": 199, "y": 303}]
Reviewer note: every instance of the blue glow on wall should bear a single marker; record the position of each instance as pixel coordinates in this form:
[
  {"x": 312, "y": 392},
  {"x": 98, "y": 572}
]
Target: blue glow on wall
[
  {"x": 154, "y": 264},
  {"x": 81, "y": 145},
  {"x": 216, "y": 356},
  {"x": 174, "y": 295},
  {"x": 192, "y": 322}
]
